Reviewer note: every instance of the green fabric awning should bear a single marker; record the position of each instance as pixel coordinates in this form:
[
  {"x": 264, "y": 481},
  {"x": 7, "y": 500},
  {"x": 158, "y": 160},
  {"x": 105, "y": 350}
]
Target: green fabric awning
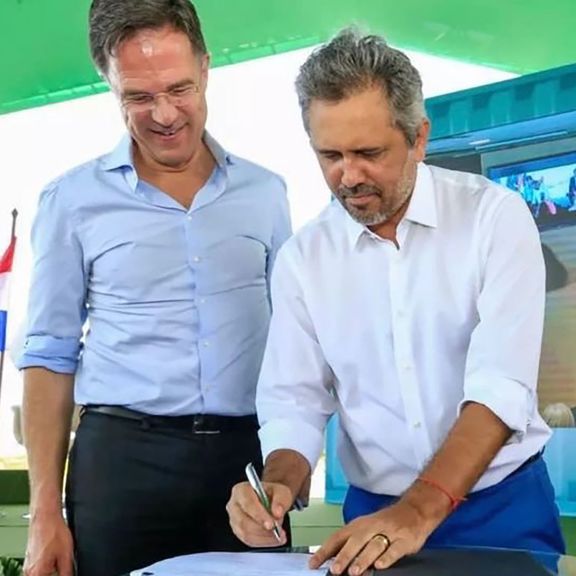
[{"x": 45, "y": 54}]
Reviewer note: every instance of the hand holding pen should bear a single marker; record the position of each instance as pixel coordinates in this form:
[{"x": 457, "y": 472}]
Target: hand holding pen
[
  {"x": 257, "y": 521},
  {"x": 262, "y": 496}
]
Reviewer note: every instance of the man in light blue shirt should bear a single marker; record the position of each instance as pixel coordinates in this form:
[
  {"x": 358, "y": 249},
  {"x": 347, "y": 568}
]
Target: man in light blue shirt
[{"x": 162, "y": 251}]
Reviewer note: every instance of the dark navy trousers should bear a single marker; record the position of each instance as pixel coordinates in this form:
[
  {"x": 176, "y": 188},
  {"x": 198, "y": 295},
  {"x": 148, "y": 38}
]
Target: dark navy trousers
[{"x": 139, "y": 493}]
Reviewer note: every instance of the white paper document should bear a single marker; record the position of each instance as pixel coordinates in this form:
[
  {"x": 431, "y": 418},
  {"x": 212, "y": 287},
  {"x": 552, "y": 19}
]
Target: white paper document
[{"x": 233, "y": 564}]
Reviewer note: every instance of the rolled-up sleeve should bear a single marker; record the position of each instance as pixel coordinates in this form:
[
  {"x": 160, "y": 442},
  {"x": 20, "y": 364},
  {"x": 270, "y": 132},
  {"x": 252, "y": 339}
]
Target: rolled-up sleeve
[
  {"x": 504, "y": 352},
  {"x": 56, "y": 308},
  {"x": 294, "y": 398}
]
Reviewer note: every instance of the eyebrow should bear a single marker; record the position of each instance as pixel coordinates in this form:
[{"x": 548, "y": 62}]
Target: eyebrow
[
  {"x": 181, "y": 84},
  {"x": 176, "y": 85},
  {"x": 353, "y": 151}
]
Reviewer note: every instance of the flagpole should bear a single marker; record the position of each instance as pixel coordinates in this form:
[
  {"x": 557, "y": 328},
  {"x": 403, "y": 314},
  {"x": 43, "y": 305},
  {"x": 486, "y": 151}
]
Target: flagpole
[
  {"x": 14, "y": 217},
  {"x": 3, "y": 352}
]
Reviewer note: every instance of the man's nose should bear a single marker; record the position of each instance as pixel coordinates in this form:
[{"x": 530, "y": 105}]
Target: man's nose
[
  {"x": 351, "y": 173},
  {"x": 164, "y": 112}
]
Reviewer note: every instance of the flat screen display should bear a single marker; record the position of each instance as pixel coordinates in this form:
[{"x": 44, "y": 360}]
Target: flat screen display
[{"x": 548, "y": 185}]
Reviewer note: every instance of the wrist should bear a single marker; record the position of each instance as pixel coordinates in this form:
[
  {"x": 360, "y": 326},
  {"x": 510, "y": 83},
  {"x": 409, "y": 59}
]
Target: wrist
[
  {"x": 289, "y": 468},
  {"x": 46, "y": 507},
  {"x": 431, "y": 505},
  {"x": 454, "y": 500},
  {"x": 46, "y": 514}
]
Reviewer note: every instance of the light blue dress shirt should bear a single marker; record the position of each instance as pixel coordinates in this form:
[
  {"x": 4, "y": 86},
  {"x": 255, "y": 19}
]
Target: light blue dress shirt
[{"x": 176, "y": 301}]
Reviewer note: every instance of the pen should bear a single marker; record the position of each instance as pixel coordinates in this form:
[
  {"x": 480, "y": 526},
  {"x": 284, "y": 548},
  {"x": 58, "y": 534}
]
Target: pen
[{"x": 262, "y": 496}]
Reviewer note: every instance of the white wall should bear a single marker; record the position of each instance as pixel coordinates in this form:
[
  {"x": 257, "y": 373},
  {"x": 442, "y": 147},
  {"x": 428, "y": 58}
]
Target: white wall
[{"x": 253, "y": 112}]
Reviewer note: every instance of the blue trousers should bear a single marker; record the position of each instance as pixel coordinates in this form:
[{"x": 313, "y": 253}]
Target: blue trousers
[{"x": 519, "y": 512}]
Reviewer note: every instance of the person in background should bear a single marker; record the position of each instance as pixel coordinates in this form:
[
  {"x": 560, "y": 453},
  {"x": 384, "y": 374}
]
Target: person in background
[
  {"x": 164, "y": 249},
  {"x": 559, "y": 415},
  {"x": 412, "y": 307},
  {"x": 572, "y": 189}
]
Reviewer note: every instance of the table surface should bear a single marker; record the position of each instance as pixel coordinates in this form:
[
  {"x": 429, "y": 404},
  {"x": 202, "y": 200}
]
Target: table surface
[
  {"x": 553, "y": 563},
  {"x": 14, "y": 529}
]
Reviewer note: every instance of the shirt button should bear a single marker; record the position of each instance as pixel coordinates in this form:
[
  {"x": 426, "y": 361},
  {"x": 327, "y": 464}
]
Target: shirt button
[
  {"x": 196, "y": 259},
  {"x": 417, "y": 424},
  {"x": 202, "y": 300},
  {"x": 189, "y": 216},
  {"x": 407, "y": 367},
  {"x": 205, "y": 343}
]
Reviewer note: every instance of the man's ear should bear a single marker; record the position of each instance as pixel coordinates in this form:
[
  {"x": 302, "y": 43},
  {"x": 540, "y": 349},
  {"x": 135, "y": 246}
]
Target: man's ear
[
  {"x": 204, "y": 67},
  {"x": 421, "y": 140}
]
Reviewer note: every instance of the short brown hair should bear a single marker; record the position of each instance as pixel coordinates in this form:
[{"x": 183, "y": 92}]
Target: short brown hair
[{"x": 113, "y": 21}]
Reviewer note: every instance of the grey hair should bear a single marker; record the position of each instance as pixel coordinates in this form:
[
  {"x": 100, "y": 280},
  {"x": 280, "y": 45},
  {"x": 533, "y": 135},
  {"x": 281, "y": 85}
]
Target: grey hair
[
  {"x": 351, "y": 63},
  {"x": 558, "y": 415},
  {"x": 113, "y": 21}
]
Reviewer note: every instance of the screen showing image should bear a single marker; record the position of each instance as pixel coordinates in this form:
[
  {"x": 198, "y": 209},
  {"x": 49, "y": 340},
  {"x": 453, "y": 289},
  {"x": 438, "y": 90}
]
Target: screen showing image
[{"x": 548, "y": 185}]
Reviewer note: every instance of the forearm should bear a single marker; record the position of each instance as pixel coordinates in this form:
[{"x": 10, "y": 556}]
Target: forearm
[
  {"x": 291, "y": 469},
  {"x": 47, "y": 412},
  {"x": 475, "y": 439}
]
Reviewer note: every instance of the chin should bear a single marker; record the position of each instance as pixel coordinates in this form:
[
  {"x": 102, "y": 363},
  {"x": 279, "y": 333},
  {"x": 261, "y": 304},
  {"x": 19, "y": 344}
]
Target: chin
[
  {"x": 172, "y": 160},
  {"x": 369, "y": 218}
]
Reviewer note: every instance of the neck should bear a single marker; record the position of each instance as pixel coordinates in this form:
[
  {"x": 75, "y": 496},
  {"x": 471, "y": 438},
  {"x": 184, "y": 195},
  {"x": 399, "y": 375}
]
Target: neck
[
  {"x": 148, "y": 169},
  {"x": 387, "y": 229},
  {"x": 182, "y": 182}
]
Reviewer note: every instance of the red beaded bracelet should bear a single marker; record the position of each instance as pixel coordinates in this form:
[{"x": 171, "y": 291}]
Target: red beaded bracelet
[{"x": 455, "y": 501}]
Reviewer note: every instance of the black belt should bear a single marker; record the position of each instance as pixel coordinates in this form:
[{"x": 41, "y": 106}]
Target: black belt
[{"x": 196, "y": 423}]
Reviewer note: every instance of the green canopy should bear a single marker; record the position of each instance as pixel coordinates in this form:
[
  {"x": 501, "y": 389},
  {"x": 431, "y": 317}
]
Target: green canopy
[{"x": 45, "y": 52}]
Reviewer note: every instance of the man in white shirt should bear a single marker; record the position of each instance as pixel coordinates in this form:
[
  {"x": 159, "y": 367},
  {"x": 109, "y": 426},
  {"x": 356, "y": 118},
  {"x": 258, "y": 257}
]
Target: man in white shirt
[{"x": 413, "y": 308}]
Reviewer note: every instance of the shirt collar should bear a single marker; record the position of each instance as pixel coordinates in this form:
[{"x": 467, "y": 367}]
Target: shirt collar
[
  {"x": 222, "y": 157},
  {"x": 121, "y": 156},
  {"x": 421, "y": 209}
]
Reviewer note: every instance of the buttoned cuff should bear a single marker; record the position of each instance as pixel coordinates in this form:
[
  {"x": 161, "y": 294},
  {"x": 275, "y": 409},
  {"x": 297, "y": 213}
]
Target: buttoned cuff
[{"x": 282, "y": 434}]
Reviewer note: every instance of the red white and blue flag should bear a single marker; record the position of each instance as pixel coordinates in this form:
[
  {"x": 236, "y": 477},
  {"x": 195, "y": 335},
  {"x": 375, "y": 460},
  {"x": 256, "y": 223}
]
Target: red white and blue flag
[{"x": 5, "y": 269}]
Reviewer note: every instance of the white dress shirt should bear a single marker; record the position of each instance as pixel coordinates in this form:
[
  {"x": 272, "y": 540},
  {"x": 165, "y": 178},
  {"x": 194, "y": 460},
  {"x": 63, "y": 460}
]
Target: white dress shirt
[{"x": 396, "y": 340}]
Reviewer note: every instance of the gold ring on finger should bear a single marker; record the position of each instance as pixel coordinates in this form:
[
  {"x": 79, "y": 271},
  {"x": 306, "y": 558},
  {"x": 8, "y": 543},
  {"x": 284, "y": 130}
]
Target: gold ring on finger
[{"x": 384, "y": 539}]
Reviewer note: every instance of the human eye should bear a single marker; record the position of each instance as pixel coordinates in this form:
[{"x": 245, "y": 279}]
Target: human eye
[
  {"x": 370, "y": 154},
  {"x": 138, "y": 98},
  {"x": 329, "y": 155},
  {"x": 183, "y": 91},
  {"x": 180, "y": 91}
]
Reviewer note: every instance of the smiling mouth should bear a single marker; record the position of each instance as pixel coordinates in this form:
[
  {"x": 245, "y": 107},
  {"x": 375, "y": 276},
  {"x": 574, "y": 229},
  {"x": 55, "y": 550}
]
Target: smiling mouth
[{"x": 167, "y": 133}]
